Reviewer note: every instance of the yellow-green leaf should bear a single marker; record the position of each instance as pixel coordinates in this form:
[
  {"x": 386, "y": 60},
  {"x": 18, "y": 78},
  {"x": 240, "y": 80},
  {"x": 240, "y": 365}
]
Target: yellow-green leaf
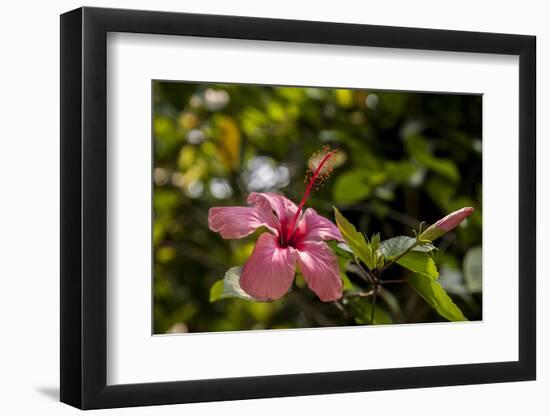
[
  {"x": 351, "y": 187},
  {"x": 216, "y": 291},
  {"x": 344, "y": 98},
  {"x": 229, "y": 286},
  {"x": 431, "y": 291},
  {"x": 419, "y": 262},
  {"x": 355, "y": 240}
]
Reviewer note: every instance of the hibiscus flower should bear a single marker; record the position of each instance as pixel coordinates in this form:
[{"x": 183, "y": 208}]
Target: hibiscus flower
[{"x": 294, "y": 237}]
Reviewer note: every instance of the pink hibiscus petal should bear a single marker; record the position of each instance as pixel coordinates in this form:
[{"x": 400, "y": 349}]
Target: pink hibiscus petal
[
  {"x": 450, "y": 221},
  {"x": 237, "y": 222},
  {"x": 446, "y": 224},
  {"x": 319, "y": 228},
  {"x": 282, "y": 206},
  {"x": 269, "y": 272},
  {"x": 319, "y": 267}
]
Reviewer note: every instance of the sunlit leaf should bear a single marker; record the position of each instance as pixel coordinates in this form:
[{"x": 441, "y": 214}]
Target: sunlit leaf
[
  {"x": 163, "y": 127},
  {"x": 158, "y": 232},
  {"x": 166, "y": 199},
  {"x": 344, "y": 98},
  {"x": 295, "y": 95},
  {"x": 419, "y": 262},
  {"x": 186, "y": 157},
  {"x": 253, "y": 121},
  {"x": 355, "y": 240},
  {"x": 432, "y": 292},
  {"x": 165, "y": 254},
  {"x": 229, "y": 286},
  {"x": 216, "y": 291},
  {"x": 351, "y": 187},
  {"x": 276, "y": 111}
]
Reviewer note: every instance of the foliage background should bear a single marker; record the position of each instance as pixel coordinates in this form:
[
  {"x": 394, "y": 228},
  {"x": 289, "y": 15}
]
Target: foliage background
[{"x": 403, "y": 158}]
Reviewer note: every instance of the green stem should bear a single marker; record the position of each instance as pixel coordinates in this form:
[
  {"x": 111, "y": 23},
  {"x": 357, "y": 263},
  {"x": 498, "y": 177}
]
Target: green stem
[
  {"x": 373, "y": 304},
  {"x": 370, "y": 277},
  {"x": 393, "y": 281}
]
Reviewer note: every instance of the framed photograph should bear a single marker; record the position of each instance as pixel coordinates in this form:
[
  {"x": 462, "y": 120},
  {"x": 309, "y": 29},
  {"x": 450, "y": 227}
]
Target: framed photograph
[{"x": 257, "y": 208}]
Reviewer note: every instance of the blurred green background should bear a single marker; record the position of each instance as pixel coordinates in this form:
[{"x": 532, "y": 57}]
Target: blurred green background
[{"x": 403, "y": 158}]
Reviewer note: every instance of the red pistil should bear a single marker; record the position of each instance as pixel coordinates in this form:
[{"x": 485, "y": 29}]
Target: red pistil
[{"x": 311, "y": 183}]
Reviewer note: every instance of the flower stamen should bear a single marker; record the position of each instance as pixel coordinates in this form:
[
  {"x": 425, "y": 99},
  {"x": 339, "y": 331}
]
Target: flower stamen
[{"x": 319, "y": 169}]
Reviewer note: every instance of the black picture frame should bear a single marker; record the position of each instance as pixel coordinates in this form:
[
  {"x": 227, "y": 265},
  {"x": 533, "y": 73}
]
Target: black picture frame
[{"x": 84, "y": 207}]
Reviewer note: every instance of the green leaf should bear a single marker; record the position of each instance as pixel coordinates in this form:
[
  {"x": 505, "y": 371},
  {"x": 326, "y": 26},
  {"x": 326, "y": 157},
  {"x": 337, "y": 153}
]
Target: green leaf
[
  {"x": 375, "y": 241},
  {"x": 399, "y": 171},
  {"x": 344, "y": 97},
  {"x": 418, "y": 147},
  {"x": 300, "y": 281},
  {"x": 431, "y": 291},
  {"x": 355, "y": 240},
  {"x": 216, "y": 291},
  {"x": 351, "y": 187},
  {"x": 395, "y": 246},
  {"x": 444, "y": 167},
  {"x": 419, "y": 262},
  {"x": 375, "y": 258},
  {"x": 417, "y": 259},
  {"x": 341, "y": 249},
  {"x": 344, "y": 254},
  {"x": 342, "y": 266},
  {"x": 229, "y": 287},
  {"x": 441, "y": 191},
  {"x": 473, "y": 271}
]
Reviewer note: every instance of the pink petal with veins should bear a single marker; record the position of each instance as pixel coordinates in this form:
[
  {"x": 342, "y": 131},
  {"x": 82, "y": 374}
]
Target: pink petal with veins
[
  {"x": 269, "y": 272},
  {"x": 237, "y": 222},
  {"x": 319, "y": 267},
  {"x": 282, "y": 206},
  {"x": 319, "y": 228}
]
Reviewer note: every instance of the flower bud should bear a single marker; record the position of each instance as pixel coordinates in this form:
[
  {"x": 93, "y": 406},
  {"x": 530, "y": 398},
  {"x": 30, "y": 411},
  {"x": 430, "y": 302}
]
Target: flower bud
[{"x": 446, "y": 224}]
